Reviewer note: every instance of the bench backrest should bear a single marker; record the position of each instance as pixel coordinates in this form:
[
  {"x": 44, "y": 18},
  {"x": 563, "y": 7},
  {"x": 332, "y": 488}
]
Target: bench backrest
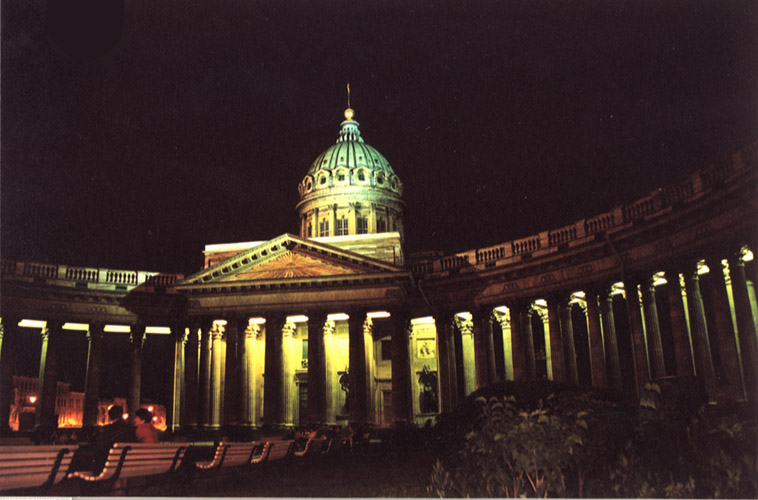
[
  {"x": 279, "y": 449},
  {"x": 312, "y": 447},
  {"x": 33, "y": 466},
  {"x": 230, "y": 455},
  {"x": 127, "y": 460}
]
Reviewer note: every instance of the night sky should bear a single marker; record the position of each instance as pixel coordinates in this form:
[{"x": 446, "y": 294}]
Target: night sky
[{"x": 195, "y": 124}]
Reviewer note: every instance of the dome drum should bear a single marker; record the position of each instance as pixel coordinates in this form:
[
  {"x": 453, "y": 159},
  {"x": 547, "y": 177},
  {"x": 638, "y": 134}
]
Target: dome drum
[{"x": 350, "y": 189}]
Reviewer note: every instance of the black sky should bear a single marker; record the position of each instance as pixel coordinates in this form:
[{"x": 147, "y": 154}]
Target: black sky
[{"x": 502, "y": 118}]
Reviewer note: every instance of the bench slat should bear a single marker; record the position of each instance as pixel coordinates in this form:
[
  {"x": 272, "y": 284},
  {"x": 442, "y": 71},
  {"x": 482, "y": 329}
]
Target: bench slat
[{"x": 33, "y": 466}]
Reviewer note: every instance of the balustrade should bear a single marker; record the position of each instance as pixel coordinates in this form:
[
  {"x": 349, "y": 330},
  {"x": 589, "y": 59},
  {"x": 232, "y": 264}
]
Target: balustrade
[
  {"x": 599, "y": 224},
  {"x": 563, "y": 235},
  {"x": 526, "y": 245}
]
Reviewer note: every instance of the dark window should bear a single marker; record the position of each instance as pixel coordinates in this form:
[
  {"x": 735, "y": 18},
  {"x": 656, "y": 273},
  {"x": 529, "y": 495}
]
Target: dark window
[
  {"x": 361, "y": 177},
  {"x": 323, "y": 180},
  {"x": 324, "y": 228},
  {"x": 341, "y": 177},
  {"x": 361, "y": 225},
  {"x": 381, "y": 226},
  {"x": 341, "y": 227}
]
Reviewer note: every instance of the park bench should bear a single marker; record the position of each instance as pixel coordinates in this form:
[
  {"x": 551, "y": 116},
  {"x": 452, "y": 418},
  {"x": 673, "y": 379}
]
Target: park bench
[
  {"x": 312, "y": 447},
  {"x": 133, "y": 460},
  {"x": 278, "y": 450},
  {"x": 235, "y": 455},
  {"x": 334, "y": 447},
  {"x": 33, "y": 466}
]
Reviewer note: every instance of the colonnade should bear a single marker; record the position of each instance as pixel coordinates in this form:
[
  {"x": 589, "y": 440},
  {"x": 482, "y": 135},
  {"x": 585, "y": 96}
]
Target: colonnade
[{"x": 713, "y": 337}]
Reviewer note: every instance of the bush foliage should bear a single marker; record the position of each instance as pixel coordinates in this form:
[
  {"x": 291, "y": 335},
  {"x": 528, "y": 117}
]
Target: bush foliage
[{"x": 577, "y": 444}]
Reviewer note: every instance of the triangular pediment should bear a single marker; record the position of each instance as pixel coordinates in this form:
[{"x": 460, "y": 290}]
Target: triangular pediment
[{"x": 290, "y": 257}]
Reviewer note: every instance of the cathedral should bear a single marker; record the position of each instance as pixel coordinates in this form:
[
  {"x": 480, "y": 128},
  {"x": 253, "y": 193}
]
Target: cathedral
[{"x": 338, "y": 325}]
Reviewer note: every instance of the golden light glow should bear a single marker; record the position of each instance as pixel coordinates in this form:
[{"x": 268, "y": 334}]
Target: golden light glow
[
  {"x": 117, "y": 328},
  {"x": 159, "y": 330},
  {"x": 702, "y": 268},
  {"x": 32, "y": 399},
  {"x": 297, "y": 319},
  {"x": 464, "y": 315},
  {"x": 82, "y": 327},
  {"x": 338, "y": 317},
  {"x": 501, "y": 309},
  {"x": 427, "y": 320},
  {"x": 257, "y": 321},
  {"x": 748, "y": 256},
  {"x": 659, "y": 279},
  {"x": 150, "y": 409},
  {"x": 378, "y": 314},
  {"x": 220, "y": 322},
  {"x": 540, "y": 302},
  {"x": 125, "y": 416},
  {"x": 32, "y": 323}
]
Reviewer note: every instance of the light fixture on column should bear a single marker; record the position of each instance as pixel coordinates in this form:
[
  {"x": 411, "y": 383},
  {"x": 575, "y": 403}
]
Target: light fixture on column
[
  {"x": 32, "y": 323},
  {"x": 427, "y": 320},
  {"x": 465, "y": 315},
  {"x": 117, "y": 329},
  {"x": 300, "y": 318},
  {"x": 659, "y": 279},
  {"x": 257, "y": 321},
  {"x": 81, "y": 327},
  {"x": 378, "y": 314},
  {"x": 702, "y": 268},
  {"x": 159, "y": 330},
  {"x": 338, "y": 317}
]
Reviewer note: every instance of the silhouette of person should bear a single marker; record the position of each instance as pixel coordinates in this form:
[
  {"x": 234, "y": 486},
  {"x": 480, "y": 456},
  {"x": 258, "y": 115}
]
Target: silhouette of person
[
  {"x": 145, "y": 431},
  {"x": 117, "y": 431}
]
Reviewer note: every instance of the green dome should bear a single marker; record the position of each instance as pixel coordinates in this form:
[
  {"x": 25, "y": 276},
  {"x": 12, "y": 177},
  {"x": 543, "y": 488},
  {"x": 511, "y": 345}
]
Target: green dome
[{"x": 352, "y": 153}]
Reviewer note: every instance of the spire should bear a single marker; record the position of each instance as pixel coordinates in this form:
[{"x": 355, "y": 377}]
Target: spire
[
  {"x": 349, "y": 128},
  {"x": 349, "y": 113}
]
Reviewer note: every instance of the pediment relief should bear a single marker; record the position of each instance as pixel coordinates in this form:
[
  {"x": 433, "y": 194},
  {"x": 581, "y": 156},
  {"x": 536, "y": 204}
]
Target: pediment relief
[
  {"x": 293, "y": 264},
  {"x": 289, "y": 257}
]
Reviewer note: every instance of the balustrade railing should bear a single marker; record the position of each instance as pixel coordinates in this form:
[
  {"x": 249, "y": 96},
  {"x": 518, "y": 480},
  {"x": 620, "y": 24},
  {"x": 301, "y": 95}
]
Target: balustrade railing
[
  {"x": 453, "y": 262},
  {"x": 87, "y": 274},
  {"x": 490, "y": 254},
  {"x": 562, "y": 235},
  {"x": 526, "y": 245},
  {"x": 599, "y": 223},
  {"x": 711, "y": 177}
]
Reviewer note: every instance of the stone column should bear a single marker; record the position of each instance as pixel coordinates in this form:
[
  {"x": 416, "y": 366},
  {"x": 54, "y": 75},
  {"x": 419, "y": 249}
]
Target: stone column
[
  {"x": 745, "y": 327},
  {"x": 595, "y": 337},
  {"x": 679, "y": 330},
  {"x": 92, "y": 381},
  {"x": 316, "y": 368},
  {"x": 359, "y": 393},
  {"x": 372, "y": 218},
  {"x": 247, "y": 407},
  {"x": 217, "y": 376},
  {"x": 636, "y": 329},
  {"x": 206, "y": 349},
  {"x": 506, "y": 321},
  {"x": 567, "y": 335},
  {"x": 9, "y": 340},
  {"x": 190, "y": 377},
  {"x": 556, "y": 344},
  {"x": 484, "y": 352},
  {"x": 402, "y": 407},
  {"x": 273, "y": 382},
  {"x": 177, "y": 411},
  {"x": 45, "y": 419},
  {"x": 232, "y": 342},
  {"x": 652, "y": 328},
  {"x": 446, "y": 357},
  {"x": 289, "y": 397},
  {"x": 467, "y": 356},
  {"x": 702, "y": 348},
  {"x": 528, "y": 349},
  {"x": 518, "y": 341},
  {"x": 611, "y": 343},
  {"x": 724, "y": 331},
  {"x": 137, "y": 341}
]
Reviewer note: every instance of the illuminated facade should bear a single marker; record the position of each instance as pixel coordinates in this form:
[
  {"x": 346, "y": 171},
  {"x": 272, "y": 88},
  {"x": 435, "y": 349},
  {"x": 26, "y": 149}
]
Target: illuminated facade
[{"x": 337, "y": 324}]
